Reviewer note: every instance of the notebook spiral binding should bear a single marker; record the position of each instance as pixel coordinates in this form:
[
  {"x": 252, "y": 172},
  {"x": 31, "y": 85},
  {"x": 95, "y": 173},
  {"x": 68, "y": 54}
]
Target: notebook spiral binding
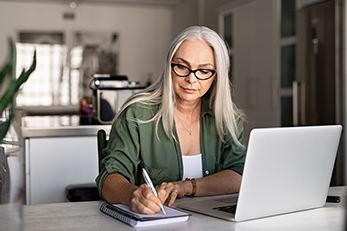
[{"x": 119, "y": 215}]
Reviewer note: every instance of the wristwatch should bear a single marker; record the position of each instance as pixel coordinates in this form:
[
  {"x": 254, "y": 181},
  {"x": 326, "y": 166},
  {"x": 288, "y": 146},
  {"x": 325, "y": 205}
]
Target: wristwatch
[{"x": 194, "y": 186}]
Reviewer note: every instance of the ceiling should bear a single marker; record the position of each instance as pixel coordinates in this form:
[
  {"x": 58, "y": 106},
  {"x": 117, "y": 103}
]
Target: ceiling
[{"x": 147, "y": 2}]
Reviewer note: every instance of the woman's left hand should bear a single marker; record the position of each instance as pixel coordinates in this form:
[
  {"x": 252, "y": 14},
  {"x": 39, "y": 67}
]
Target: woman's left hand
[{"x": 168, "y": 192}]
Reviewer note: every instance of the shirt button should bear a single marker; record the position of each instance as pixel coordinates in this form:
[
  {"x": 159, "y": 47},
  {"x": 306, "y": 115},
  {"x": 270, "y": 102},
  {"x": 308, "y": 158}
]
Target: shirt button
[{"x": 207, "y": 172}]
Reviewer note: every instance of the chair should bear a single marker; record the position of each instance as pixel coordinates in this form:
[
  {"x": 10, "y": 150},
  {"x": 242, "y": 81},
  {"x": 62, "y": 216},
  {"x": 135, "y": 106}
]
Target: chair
[
  {"x": 102, "y": 142},
  {"x": 88, "y": 192}
]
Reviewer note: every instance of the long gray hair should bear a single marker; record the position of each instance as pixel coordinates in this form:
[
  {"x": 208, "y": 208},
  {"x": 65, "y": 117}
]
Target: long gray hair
[{"x": 161, "y": 92}]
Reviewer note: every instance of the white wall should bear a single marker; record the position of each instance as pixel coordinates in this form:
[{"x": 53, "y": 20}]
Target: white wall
[
  {"x": 144, "y": 32},
  {"x": 185, "y": 14},
  {"x": 198, "y": 12}
]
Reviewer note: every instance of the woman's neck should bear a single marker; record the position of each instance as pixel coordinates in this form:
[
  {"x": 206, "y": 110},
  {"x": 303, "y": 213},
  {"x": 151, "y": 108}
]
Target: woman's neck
[{"x": 188, "y": 109}]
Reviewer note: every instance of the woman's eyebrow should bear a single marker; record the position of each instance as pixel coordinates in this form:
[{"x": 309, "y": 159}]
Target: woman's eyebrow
[
  {"x": 206, "y": 64},
  {"x": 200, "y": 65},
  {"x": 184, "y": 61}
]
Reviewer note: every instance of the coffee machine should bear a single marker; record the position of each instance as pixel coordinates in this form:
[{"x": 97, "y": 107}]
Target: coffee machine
[{"x": 109, "y": 94}]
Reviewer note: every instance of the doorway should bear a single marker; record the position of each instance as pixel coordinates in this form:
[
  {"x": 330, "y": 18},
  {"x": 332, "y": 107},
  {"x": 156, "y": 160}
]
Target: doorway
[{"x": 316, "y": 89}]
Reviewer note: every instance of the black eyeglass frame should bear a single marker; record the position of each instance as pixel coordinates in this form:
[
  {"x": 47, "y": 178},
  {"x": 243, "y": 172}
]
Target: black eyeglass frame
[{"x": 190, "y": 71}]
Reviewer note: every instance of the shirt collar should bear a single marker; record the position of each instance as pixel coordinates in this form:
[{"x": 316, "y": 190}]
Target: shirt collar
[{"x": 205, "y": 109}]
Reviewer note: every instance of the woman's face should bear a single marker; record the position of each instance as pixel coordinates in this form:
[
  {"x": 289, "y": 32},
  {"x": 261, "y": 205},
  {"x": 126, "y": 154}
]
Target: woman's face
[{"x": 196, "y": 54}]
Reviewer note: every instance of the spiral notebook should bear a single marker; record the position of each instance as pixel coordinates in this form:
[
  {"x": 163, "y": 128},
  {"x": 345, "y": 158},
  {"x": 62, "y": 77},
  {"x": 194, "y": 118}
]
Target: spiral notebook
[{"x": 123, "y": 213}]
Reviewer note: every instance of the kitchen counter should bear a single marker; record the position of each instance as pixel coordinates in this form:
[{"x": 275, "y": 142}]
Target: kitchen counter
[
  {"x": 85, "y": 130},
  {"x": 58, "y": 126},
  {"x": 58, "y": 152}
]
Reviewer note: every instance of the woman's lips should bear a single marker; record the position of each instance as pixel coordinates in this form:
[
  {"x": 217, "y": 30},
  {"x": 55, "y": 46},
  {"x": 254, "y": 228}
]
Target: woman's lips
[{"x": 189, "y": 90}]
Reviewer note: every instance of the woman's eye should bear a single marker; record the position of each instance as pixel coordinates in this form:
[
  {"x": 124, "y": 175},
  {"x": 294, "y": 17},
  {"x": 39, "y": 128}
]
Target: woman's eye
[
  {"x": 181, "y": 67},
  {"x": 204, "y": 72}
]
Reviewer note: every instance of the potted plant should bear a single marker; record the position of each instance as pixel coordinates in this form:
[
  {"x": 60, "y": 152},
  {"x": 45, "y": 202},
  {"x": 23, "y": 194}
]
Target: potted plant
[
  {"x": 11, "y": 179},
  {"x": 9, "y": 86}
]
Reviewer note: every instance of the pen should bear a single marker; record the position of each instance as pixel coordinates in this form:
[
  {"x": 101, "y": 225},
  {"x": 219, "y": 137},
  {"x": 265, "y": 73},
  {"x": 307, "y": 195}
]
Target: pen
[{"x": 150, "y": 184}]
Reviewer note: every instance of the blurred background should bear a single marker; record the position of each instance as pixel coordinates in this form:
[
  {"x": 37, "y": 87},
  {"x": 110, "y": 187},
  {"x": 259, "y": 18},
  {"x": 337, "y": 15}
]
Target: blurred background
[{"x": 288, "y": 62}]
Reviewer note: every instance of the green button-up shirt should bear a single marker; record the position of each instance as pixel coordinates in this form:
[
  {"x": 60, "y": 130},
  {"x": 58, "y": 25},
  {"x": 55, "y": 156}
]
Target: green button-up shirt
[{"x": 134, "y": 145}]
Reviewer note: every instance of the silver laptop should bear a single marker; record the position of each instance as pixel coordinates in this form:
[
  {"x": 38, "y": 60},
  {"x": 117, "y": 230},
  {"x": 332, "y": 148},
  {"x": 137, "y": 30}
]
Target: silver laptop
[{"x": 286, "y": 170}]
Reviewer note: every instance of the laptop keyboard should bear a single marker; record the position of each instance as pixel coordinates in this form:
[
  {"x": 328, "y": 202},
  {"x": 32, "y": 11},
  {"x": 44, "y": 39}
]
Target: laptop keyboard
[{"x": 227, "y": 209}]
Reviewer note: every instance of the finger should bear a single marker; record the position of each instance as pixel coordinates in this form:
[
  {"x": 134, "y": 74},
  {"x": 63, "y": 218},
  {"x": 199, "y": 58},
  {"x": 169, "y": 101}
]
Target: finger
[
  {"x": 149, "y": 196},
  {"x": 162, "y": 185},
  {"x": 144, "y": 201},
  {"x": 164, "y": 192},
  {"x": 141, "y": 208},
  {"x": 147, "y": 192},
  {"x": 173, "y": 197}
]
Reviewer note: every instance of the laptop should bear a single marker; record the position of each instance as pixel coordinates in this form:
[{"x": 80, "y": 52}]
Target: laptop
[{"x": 286, "y": 170}]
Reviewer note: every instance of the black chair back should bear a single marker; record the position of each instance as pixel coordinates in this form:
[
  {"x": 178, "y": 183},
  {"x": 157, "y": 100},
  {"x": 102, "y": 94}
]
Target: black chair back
[{"x": 102, "y": 143}]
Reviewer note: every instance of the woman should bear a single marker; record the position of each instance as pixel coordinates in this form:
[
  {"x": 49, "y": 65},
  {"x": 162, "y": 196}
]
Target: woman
[{"x": 184, "y": 130}]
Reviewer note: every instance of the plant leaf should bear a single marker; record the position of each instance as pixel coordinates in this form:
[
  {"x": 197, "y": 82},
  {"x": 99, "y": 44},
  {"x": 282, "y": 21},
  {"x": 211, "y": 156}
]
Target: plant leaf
[
  {"x": 8, "y": 67},
  {"x": 4, "y": 72},
  {"x": 8, "y": 97},
  {"x": 25, "y": 75},
  {"x": 4, "y": 126},
  {"x": 12, "y": 86}
]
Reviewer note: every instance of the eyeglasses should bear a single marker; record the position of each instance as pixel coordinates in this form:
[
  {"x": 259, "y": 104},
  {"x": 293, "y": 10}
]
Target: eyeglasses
[{"x": 183, "y": 71}]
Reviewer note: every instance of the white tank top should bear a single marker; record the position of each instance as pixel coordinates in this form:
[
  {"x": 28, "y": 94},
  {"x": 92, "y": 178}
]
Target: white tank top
[{"x": 192, "y": 166}]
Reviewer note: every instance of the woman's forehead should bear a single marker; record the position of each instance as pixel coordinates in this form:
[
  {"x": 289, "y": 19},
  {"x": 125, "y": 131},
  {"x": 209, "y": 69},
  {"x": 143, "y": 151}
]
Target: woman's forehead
[{"x": 196, "y": 50}]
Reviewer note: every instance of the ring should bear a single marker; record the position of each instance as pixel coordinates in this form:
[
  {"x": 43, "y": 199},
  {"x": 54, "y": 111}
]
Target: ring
[{"x": 176, "y": 191}]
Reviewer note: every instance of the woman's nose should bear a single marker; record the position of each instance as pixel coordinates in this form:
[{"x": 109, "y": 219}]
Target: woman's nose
[{"x": 191, "y": 78}]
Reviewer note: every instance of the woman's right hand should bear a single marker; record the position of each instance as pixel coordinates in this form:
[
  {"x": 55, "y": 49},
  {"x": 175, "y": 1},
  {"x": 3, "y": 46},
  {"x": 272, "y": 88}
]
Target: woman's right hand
[
  {"x": 117, "y": 190},
  {"x": 144, "y": 201}
]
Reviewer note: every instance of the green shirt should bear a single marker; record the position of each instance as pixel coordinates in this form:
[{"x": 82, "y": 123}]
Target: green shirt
[{"x": 133, "y": 146}]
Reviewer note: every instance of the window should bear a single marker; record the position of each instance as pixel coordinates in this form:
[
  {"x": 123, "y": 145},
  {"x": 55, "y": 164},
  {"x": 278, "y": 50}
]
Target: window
[
  {"x": 227, "y": 33},
  {"x": 287, "y": 18},
  {"x": 64, "y": 69},
  {"x": 51, "y": 83}
]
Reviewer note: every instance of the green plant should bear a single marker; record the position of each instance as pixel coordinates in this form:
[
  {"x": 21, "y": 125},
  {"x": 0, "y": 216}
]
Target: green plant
[{"x": 9, "y": 86}]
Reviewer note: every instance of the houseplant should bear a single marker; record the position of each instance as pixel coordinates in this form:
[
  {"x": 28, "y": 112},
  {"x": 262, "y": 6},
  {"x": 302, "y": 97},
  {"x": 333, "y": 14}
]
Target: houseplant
[
  {"x": 9, "y": 86},
  {"x": 11, "y": 150}
]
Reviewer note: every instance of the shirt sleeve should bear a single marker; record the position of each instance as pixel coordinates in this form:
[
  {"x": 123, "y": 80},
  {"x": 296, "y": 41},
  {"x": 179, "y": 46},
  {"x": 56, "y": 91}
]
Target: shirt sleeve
[{"x": 122, "y": 151}]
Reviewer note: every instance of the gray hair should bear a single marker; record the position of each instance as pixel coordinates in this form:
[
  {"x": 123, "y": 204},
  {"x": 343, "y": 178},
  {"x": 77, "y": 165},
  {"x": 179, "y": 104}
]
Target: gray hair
[{"x": 161, "y": 91}]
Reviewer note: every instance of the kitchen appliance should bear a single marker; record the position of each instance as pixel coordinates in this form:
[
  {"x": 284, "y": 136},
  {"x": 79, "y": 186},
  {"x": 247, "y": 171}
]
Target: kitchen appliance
[{"x": 109, "y": 94}]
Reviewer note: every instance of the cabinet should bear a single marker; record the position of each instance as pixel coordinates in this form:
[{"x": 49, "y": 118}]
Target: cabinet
[{"x": 52, "y": 163}]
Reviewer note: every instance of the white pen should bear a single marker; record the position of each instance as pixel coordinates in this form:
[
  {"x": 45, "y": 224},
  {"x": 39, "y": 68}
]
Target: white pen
[{"x": 150, "y": 184}]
